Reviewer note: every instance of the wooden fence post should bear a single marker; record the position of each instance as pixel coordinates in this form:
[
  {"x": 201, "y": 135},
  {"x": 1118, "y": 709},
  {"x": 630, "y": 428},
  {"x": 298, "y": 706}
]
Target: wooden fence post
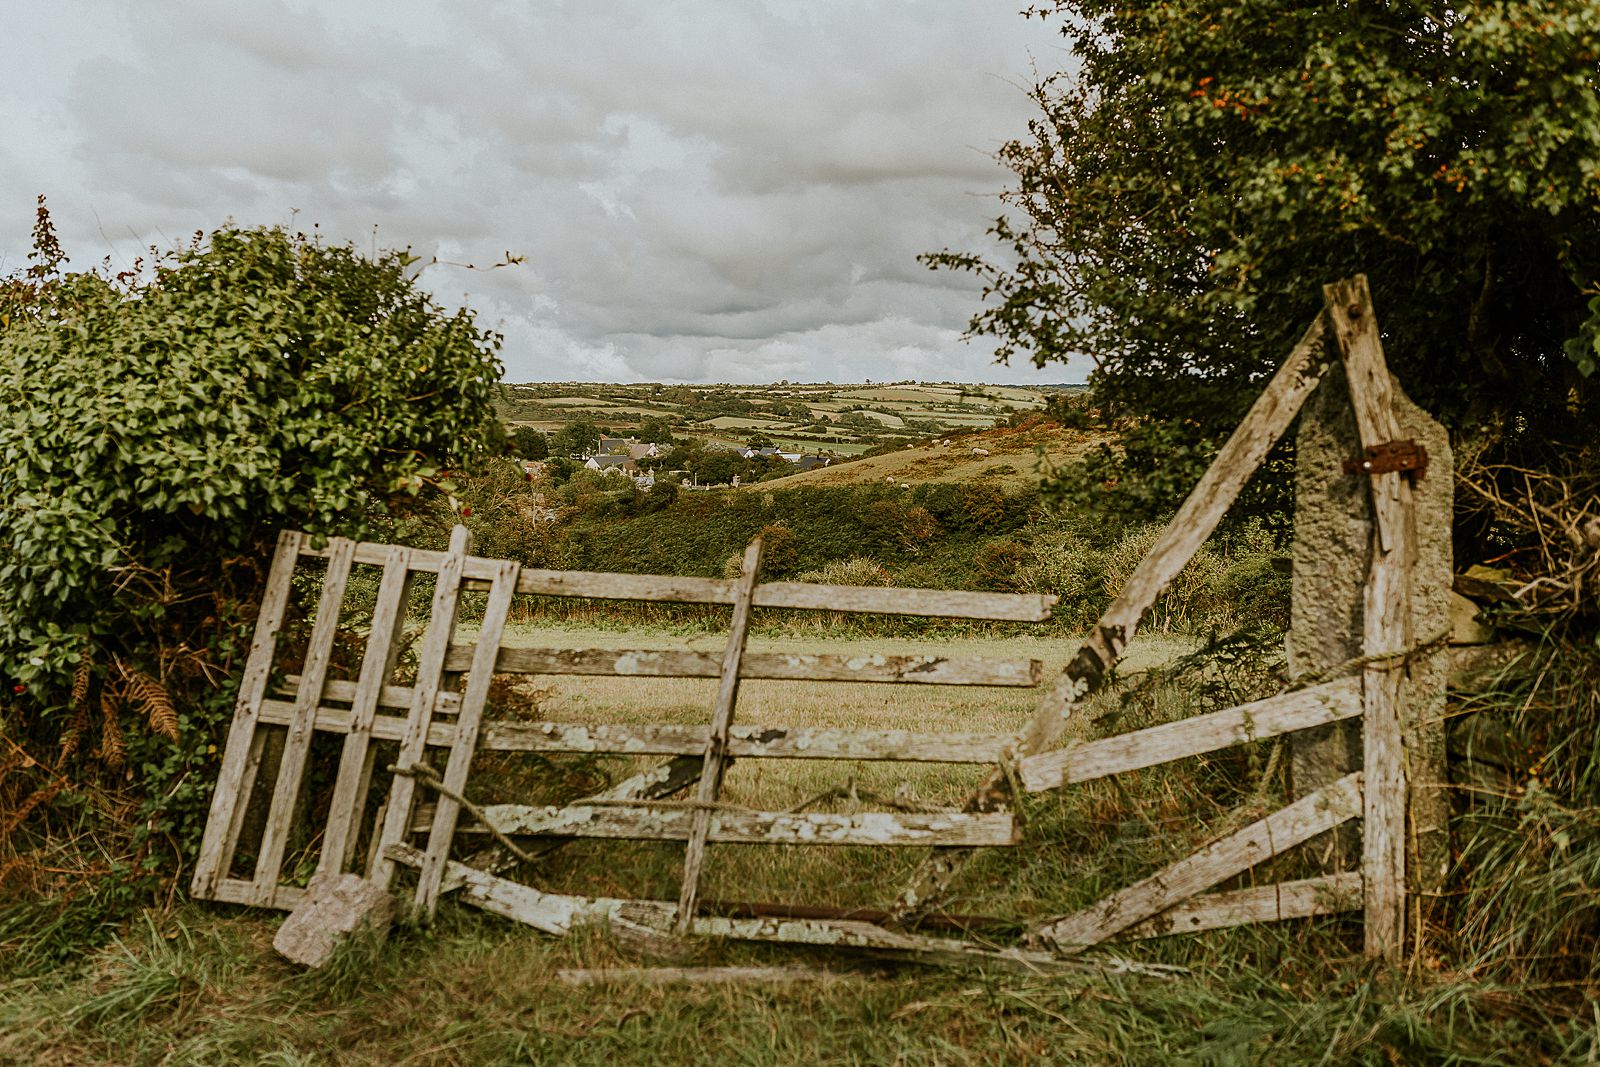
[
  {"x": 716, "y": 758},
  {"x": 1386, "y": 625}
]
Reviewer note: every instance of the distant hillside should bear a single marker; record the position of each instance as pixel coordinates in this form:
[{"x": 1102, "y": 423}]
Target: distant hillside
[
  {"x": 1011, "y": 462},
  {"x": 829, "y": 419}
]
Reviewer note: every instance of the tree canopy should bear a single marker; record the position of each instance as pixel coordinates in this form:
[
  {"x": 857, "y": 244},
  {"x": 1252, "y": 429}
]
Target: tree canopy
[{"x": 1201, "y": 169}]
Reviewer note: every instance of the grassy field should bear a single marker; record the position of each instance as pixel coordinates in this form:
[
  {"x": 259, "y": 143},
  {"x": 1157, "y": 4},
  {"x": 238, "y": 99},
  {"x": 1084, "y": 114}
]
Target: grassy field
[
  {"x": 200, "y": 984},
  {"x": 1011, "y": 461}
]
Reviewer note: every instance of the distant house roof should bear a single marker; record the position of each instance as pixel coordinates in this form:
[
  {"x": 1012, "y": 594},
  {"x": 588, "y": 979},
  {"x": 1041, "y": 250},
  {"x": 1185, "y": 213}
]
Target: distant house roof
[
  {"x": 606, "y": 463},
  {"x": 646, "y": 451},
  {"x": 613, "y": 445},
  {"x": 807, "y": 463}
]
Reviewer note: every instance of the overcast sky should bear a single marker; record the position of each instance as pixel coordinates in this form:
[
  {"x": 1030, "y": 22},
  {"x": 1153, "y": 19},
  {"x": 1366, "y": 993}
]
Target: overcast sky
[{"x": 704, "y": 190}]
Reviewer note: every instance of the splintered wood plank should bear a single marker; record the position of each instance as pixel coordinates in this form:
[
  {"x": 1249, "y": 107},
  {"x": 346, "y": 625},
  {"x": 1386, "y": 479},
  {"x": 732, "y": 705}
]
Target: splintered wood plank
[
  {"x": 559, "y": 915},
  {"x": 1329, "y": 894},
  {"x": 645, "y": 663},
  {"x": 1246, "y": 447},
  {"x": 502, "y": 588},
  {"x": 755, "y": 828},
  {"x": 747, "y": 742},
  {"x": 1386, "y": 614},
  {"x": 667, "y": 739},
  {"x": 430, "y": 668},
  {"x": 940, "y": 603},
  {"x": 1281, "y": 714},
  {"x": 716, "y": 751},
  {"x": 1307, "y": 817},
  {"x": 242, "y": 754},
  {"x": 297, "y": 745},
  {"x": 355, "y": 765}
]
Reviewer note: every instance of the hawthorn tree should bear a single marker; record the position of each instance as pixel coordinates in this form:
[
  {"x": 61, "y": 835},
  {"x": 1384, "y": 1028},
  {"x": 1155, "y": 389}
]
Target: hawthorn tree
[
  {"x": 1203, "y": 168},
  {"x": 159, "y": 427}
]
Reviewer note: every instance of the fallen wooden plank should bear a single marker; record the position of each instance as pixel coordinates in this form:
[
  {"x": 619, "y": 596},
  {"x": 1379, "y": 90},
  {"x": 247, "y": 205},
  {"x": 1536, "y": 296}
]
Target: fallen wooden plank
[
  {"x": 649, "y": 663},
  {"x": 766, "y": 828},
  {"x": 559, "y": 915},
  {"x": 1286, "y": 712},
  {"x": 1386, "y": 614},
  {"x": 696, "y": 976},
  {"x": 1307, "y": 817},
  {"x": 1328, "y": 894}
]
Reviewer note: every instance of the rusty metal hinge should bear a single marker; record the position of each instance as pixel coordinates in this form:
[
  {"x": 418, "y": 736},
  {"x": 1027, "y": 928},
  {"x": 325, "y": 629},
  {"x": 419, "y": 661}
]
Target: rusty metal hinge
[{"x": 1391, "y": 456}]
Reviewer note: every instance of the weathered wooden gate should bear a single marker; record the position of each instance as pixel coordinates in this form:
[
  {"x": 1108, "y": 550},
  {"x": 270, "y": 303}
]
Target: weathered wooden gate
[{"x": 444, "y": 711}]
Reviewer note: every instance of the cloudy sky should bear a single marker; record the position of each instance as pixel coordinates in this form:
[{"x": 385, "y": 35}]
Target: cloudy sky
[{"x": 704, "y": 190}]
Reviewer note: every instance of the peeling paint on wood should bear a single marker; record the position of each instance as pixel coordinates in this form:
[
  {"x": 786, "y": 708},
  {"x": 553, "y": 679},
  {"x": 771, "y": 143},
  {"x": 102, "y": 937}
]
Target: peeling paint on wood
[
  {"x": 1328, "y": 894},
  {"x": 670, "y": 663},
  {"x": 1286, "y": 712},
  {"x": 770, "y": 828}
]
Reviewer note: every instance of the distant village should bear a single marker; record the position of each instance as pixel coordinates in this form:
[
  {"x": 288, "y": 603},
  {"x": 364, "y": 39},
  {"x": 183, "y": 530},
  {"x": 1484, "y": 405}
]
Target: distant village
[{"x": 627, "y": 457}]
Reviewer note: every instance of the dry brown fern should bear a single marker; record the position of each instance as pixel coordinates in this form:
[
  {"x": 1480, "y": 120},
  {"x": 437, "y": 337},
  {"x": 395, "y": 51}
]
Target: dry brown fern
[
  {"x": 72, "y": 737},
  {"x": 113, "y": 749},
  {"x": 80, "y": 678},
  {"x": 156, "y": 702}
]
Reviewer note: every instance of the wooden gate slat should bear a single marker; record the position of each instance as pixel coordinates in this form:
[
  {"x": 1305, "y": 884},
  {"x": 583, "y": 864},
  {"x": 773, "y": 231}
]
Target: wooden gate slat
[
  {"x": 242, "y": 752},
  {"x": 465, "y": 742},
  {"x": 770, "y": 828},
  {"x": 787, "y": 666},
  {"x": 716, "y": 757},
  {"x": 1307, "y": 817},
  {"x": 355, "y": 764},
  {"x": 297, "y": 745},
  {"x": 1328, "y": 894},
  {"x": 430, "y": 669},
  {"x": 1281, "y": 714}
]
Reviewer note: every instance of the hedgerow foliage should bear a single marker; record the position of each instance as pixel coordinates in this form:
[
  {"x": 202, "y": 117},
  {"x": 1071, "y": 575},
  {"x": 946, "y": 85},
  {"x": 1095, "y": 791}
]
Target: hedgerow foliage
[
  {"x": 159, "y": 426},
  {"x": 1191, "y": 182}
]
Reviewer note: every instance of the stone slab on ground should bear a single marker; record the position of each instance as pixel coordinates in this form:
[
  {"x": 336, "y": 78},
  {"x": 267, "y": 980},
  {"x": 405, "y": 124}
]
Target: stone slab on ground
[{"x": 335, "y": 908}]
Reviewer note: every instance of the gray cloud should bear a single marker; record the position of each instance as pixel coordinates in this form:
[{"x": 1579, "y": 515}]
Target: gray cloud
[{"x": 707, "y": 190}]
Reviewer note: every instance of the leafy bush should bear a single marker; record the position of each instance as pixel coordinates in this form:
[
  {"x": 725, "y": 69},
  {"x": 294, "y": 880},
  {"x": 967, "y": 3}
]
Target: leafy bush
[{"x": 160, "y": 426}]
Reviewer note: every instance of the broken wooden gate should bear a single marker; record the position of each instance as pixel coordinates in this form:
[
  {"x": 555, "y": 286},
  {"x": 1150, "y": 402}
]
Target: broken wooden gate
[{"x": 444, "y": 708}]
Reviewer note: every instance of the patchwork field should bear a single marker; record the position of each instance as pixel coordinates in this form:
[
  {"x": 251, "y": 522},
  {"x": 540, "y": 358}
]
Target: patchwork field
[{"x": 825, "y": 418}]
